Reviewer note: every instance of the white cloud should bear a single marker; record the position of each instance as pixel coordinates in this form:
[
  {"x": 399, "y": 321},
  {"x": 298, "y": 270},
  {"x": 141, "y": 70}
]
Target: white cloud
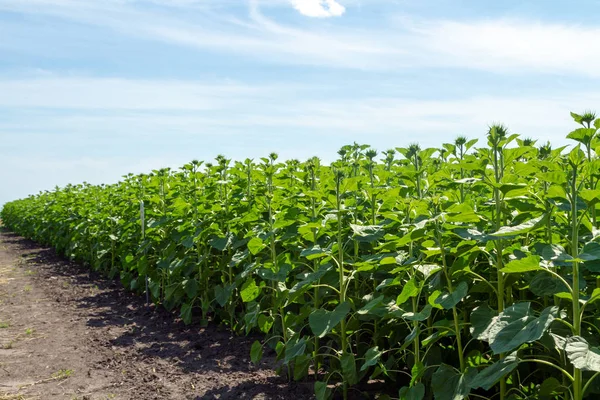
[
  {"x": 319, "y": 8},
  {"x": 513, "y": 45},
  {"x": 522, "y": 46},
  {"x": 144, "y": 108}
]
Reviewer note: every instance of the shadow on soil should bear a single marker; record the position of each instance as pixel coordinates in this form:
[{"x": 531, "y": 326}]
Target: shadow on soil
[{"x": 154, "y": 332}]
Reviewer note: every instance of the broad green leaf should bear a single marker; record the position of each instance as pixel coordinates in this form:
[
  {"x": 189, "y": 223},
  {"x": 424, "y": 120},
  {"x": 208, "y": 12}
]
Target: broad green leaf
[
  {"x": 322, "y": 321},
  {"x": 314, "y": 252},
  {"x": 368, "y": 233},
  {"x": 582, "y": 135},
  {"x": 249, "y": 291},
  {"x": 186, "y": 313},
  {"x": 449, "y": 384},
  {"x": 416, "y": 392},
  {"x": 524, "y": 330},
  {"x": 544, "y": 284},
  {"x": 265, "y": 323},
  {"x": 420, "y": 316},
  {"x": 322, "y": 392},
  {"x": 191, "y": 288},
  {"x": 551, "y": 387},
  {"x": 520, "y": 229},
  {"x": 294, "y": 348},
  {"x": 349, "y": 368},
  {"x": 311, "y": 278},
  {"x": 371, "y": 358},
  {"x": 581, "y": 355},
  {"x": 255, "y": 245},
  {"x": 591, "y": 197},
  {"x": 188, "y": 242},
  {"x": 251, "y": 316},
  {"x": 497, "y": 323},
  {"x": 590, "y": 252},
  {"x": 409, "y": 290},
  {"x": 489, "y": 376},
  {"x": 526, "y": 264},
  {"x": 370, "y": 305},
  {"x": 223, "y": 293},
  {"x": 222, "y": 243},
  {"x": 481, "y": 317},
  {"x": 256, "y": 352},
  {"x": 450, "y": 300},
  {"x": 280, "y": 276}
]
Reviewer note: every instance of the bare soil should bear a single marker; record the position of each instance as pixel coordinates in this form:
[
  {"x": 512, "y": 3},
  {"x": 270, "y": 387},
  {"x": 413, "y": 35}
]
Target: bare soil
[{"x": 68, "y": 333}]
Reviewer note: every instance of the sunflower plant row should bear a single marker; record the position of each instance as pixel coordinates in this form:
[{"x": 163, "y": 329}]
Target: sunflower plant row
[{"x": 464, "y": 271}]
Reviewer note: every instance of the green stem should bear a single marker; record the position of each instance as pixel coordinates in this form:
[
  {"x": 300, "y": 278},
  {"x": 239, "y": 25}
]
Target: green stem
[
  {"x": 577, "y": 383},
  {"x": 340, "y": 244}
]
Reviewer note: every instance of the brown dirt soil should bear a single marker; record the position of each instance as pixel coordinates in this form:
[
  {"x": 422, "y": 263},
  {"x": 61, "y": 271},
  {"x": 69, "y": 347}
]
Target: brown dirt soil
[{"x": 67, "y": 333}]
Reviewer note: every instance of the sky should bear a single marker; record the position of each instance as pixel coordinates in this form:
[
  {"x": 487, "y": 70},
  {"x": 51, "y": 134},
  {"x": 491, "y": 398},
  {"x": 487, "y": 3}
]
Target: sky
[{"x": 92, "y": 90}]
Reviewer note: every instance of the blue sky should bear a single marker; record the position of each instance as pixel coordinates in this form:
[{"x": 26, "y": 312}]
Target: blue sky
[{"x": 93, "y": 89}]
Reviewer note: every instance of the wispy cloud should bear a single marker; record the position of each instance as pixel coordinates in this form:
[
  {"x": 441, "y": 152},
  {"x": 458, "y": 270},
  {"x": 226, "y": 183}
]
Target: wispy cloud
[
  {"x": 147, "y": 107},
  {"x": 403, "y": 41},
  {"x": 319, "y": 8}
]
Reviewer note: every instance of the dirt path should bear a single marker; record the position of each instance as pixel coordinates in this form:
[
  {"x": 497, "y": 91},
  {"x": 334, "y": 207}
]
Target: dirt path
[{"x": 69, "y": 334}]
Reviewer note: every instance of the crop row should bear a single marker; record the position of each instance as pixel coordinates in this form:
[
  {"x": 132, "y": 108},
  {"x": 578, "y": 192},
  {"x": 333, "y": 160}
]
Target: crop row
[{"x": 447, "y": 273}]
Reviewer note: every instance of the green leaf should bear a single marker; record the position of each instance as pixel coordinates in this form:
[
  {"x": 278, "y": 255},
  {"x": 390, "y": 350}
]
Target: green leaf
[
  {"x": 450, "y": 300},
  {"x": 249, "y": 291},
  {"x": 497, "y": 323},
  {"x": 279, "y": 276},
  {"x": 544, "y": 284},
  {"x": 420, "y": 316},
  {"x": 314, "y": 252},
  {"x": 582, "y": 135},
  {"x": 222, "y": 294},
  {"x": 590, "y": 196},
  {"x": 294, "y": 348},
  {"x": 416, "y": 392},
  {"x": 488, "y": 377},
  {"x": 370, "y": 305},
  {"x": 581, "y": 355},
  {"x": 409, "y": 290},
  {"x": 526, "y": 264},
  {"x": 590, "y": 252},
  {"x": 371, "y": 358},
  {"x": 191, "y": 288},
  {"x": 520, "y": 229},
  {"x": 255, "y": 245},
  {"x": 256, "y": 352},
  {"x": 322, "y": 321},
  {"x": 265, "y": 323},
  {"x": 551, "y": 387},
  {"x": 595, "y": 296},
  {"x": 186, "y": 313},
  {"x": 322, "y": 392},
  {"x": 367, "y": 233},
  {"x": 221, "y": 243},
  {"x": 311, "y": 278},
  {"x": 188, "y": 242},
  {"x": 449, "y": 384},
  {"x": 349, "y": 368},
  {"x": 481, "y": 317},
  {"x": 524, "y": 330}
]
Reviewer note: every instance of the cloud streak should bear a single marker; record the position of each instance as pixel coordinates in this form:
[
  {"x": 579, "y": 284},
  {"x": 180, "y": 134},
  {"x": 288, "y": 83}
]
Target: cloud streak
[
  {"x": 499, "y": 45},
  {"x": 319, "y": 8}
]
